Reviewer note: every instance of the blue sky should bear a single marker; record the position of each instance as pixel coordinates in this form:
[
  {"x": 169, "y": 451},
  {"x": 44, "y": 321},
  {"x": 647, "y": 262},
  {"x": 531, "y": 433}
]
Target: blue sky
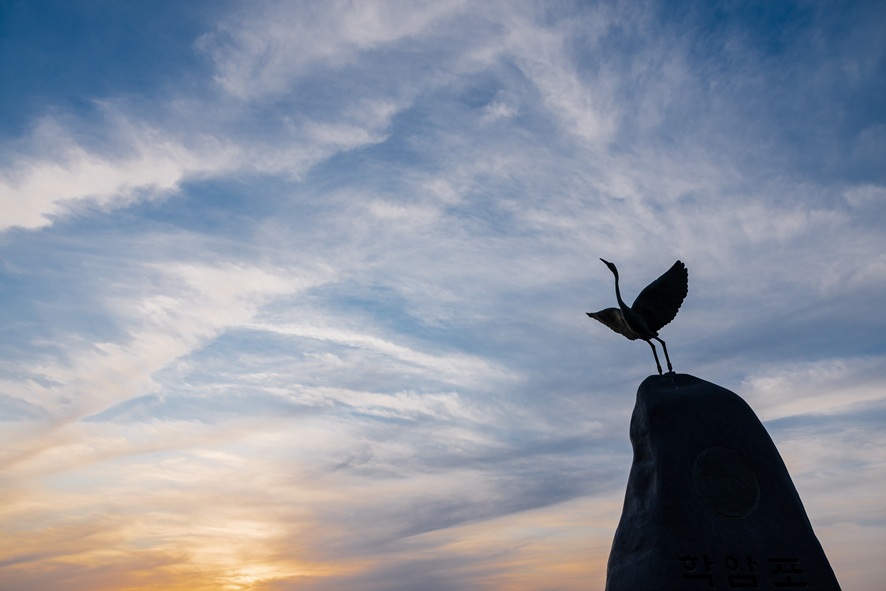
[{"x": 293, "y": 294}]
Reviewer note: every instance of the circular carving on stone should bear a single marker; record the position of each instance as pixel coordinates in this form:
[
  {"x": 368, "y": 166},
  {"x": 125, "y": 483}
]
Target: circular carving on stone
[{"x": 726, "y": 482}]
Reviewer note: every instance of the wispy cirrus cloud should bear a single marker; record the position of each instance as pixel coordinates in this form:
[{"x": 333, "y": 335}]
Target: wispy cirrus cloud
[
  {"x": 57, "y": 171},
  {"x": 266, "y": 51}
]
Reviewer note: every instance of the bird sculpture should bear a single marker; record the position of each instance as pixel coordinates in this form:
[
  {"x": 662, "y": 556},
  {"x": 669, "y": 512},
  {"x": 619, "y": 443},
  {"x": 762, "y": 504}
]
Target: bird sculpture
[{"x": 656, "y": 305}]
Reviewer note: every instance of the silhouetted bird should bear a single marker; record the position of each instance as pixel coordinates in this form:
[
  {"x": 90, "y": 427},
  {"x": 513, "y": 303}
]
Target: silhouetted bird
[{"x": 656, "y": 305}]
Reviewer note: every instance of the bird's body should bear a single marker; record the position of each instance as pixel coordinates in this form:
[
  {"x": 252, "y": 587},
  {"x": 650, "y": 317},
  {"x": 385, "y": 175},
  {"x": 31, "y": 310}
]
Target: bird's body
[{"x": 656, "y": 306}]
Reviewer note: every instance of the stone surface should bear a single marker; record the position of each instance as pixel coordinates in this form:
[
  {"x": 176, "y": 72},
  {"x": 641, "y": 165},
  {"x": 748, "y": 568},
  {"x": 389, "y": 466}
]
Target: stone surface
[{"x": 709, "y": 502}]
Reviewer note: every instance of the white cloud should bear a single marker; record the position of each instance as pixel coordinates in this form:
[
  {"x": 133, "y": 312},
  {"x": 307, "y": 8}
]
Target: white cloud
[
  {"x": 183, "y": 308},
  {"x": 58, "y": 173},
  {"x": 583, "y": 110},
  {"x": 61, "y": 173},
  {"x": 455, "y": 368},
  {"x": 497, "y": 110},
  {"x": 263, "y": 54},
  {"x": 827, "y": 386},
  {"x": 864, "y": 195}
]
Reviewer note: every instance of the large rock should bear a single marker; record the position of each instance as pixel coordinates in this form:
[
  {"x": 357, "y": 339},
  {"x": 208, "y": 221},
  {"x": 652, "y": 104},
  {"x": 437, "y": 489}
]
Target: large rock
[{"x": 709, "y": 502}]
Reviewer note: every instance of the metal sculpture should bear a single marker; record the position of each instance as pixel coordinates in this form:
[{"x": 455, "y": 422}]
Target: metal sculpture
[{"x": 656, "y": 305}]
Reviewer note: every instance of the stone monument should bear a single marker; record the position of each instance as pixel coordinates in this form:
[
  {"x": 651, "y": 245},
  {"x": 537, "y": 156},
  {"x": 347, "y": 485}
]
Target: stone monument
[{"x": 709, "y": 501}]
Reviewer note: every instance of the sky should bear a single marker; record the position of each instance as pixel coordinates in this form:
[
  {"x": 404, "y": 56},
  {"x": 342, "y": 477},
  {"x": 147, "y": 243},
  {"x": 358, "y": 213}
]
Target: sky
[{"x": 294, "y": 293}]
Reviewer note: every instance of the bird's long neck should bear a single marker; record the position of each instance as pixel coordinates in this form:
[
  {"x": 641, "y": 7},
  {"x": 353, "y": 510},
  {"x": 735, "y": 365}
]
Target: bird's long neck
[{"x": 621, "y": 303}]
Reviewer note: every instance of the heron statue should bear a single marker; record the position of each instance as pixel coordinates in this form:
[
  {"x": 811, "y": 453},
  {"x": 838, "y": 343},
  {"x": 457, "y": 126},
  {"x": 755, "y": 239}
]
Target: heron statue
[{"x": 656, "y": 305}]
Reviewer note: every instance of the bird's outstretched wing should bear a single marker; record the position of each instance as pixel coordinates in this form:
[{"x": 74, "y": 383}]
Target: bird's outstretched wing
[
  {"x": 659, "y": 301},
  {"x": 612, "y": 317}
]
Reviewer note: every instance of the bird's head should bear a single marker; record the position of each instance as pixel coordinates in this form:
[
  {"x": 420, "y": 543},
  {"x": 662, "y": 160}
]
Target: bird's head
[{"x": 611, "y": 267}]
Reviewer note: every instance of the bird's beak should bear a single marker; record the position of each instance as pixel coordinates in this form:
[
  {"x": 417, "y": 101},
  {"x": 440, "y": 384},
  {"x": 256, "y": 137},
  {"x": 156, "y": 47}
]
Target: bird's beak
[{"x": 605, "y": 261}]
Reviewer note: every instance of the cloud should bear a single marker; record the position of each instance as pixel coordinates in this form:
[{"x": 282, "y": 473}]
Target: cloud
[
  {"x": 263, "y": 52},
  {"x": 823, "y": 387},
  {"x": 36, "y": 188},
  {"x": 196, "y": 303},
  {"x": 193, "y": 305},
  {"x": 458, "y": 368}
]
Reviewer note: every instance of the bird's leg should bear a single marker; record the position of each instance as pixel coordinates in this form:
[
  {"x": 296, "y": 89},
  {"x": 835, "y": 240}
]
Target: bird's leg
[
  {"x": 665, "y": 347},
  {"x": 657, "y": 364}
]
